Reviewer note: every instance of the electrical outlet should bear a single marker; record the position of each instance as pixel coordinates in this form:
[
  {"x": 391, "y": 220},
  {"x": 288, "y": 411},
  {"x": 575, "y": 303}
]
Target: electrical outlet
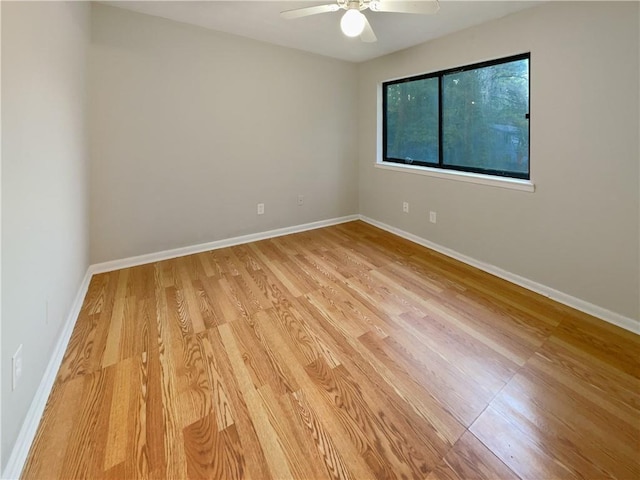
[
  {"x": 16, "y": 367},
  {"x": 261, "y": 209},
  {"x": 432, "y": 217},
  {"x": 300, "y": 200},
  {"x": 405, "y": 207}
]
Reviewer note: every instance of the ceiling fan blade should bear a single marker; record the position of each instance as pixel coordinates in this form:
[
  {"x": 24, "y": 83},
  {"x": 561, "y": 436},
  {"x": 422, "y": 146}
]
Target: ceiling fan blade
[
  {"x": 306, "y": 11},
  {"x": 367, "y": 34},
  {"x": 402, "y": 6}
]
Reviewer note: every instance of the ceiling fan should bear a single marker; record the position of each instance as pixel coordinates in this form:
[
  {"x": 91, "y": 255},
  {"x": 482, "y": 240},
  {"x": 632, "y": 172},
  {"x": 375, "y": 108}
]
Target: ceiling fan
[{"x": 354, "y": 23}]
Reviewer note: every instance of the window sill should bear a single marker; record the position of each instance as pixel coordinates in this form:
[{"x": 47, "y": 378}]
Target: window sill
[{"x": 491, "y": 180}]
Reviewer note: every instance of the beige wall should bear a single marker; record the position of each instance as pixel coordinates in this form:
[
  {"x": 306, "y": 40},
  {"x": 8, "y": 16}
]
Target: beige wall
[
  {"x": 190, "y": 129},
  {"x": 578, "y": 233},
  {"x": 44, "y": 195}
]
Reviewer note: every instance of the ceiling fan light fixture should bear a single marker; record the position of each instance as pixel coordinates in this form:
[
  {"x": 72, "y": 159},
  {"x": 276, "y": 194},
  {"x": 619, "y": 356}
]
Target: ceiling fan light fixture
[{"x": 352, "y": 23}]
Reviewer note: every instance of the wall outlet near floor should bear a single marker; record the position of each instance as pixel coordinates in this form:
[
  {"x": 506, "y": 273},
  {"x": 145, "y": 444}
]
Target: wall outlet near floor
[
  {"x": 16, "y": 367},
  {"x": 261, "y": 209},
  {"x": 432, "y": 217},
  {"x": 405, "y": 207},
  {"x": 300, "y": 200}
]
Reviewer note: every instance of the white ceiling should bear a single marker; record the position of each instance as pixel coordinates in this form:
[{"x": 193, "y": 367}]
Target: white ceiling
[{"x": 321, "y": 34}]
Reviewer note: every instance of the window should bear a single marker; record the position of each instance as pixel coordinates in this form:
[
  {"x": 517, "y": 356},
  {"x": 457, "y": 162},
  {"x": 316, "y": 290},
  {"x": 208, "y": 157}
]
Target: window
[{"x": 473, "y": 118}]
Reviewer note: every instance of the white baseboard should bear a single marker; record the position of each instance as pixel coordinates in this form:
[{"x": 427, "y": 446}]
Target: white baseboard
[
  {"x": 30, "y": 426},
  {"x": 561, "y": 297},
  {"x": 204, "y": 247}
]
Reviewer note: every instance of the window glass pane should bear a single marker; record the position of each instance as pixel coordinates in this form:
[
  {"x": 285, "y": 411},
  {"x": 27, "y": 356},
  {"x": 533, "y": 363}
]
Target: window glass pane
[
  {"x": 412, "y": 121},
  {"x": 484, "y": 122}
]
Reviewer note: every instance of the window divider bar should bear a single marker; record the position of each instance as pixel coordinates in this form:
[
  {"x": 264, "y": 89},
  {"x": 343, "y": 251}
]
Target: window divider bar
[{"x": 440, "y": 133}]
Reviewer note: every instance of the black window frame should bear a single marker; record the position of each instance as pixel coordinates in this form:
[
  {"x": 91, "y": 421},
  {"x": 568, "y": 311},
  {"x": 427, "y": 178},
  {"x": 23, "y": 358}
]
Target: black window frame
[{"x": 440, "y": 75}]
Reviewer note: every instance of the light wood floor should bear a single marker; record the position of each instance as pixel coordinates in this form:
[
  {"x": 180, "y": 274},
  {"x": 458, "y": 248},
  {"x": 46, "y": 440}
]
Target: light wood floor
[{"x": 344, "y": 352}]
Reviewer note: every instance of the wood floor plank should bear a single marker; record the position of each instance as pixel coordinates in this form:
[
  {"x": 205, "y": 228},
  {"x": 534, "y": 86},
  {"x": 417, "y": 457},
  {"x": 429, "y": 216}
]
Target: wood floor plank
[
  {"x": 499, "y": 341},
  {"x": 521, "y": 453},
  {"x": 248, "y": 293},
  {"x": 488, "y": 367},
  {"x": 55, "y": 428},
  {"x": 206, "y": 305},
  {"x": 119, "y": 416},
  {"x": 137, "y": 463},
  {"x": 272, "y": 291},
  {"x": 226, "y": 263},
  {"x": 213, "y": 453},
  {"x": 151, "y": 396},
  {"x": 380, "y": 425},
  {"x": 86, "y": 346},
  {"x": 613, "y": 346},
  {"x": 339, "y": 353},
  {"x": 190, "y": 296},
  {"x": 195, "y": 390},
  {"x": 270, "y": 251},
  {"x": 306, "y": 344},
  {"x": 255, "y": 459},
  {"x": 259, "y": 358},
  {"x": 167, "y": 329},
  {"x": 303, "y": 461},
  {"x": 612, "y": 389},
  {"x": 326, "y": 411},
  {"x": 140, "y": 282},
  {"x": 217, "y": 294},
  {"x": 429, "y": 411},
  {"x": 98, "y": 293},
  {"x": 581, "y": 432},
  {"x": 85, "y": 445},
  {"x": 470, "y": 459},
  {"x": 420, "y": 445},
  {"x": 269, "y": 442},
  {"x": 221, "y": 404},
  {"x": 494, "y": 291},
  {"x": 459, "y": 391},
  {"x": 333, "y": 459}
]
